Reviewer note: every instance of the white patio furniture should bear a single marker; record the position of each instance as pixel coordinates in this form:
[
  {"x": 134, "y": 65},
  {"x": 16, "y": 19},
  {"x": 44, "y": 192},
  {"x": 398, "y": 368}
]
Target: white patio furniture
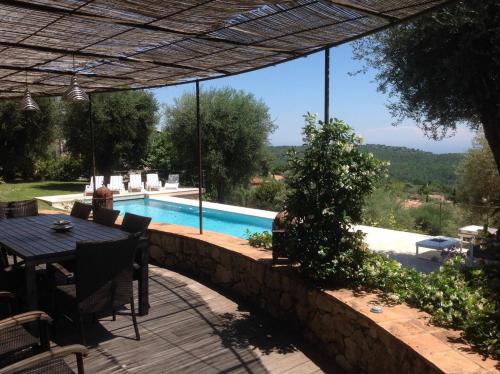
[
  {"x": 135, "y": 183},
  {"x": 89, "y": 188},
  {"x": 438, "y": 243},
  {"x": 172, "y": 183},
  {"x": 116, "y": 184},
  {"x": 152, "y": 182}
]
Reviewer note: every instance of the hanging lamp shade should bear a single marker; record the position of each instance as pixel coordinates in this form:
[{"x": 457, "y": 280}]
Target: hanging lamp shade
[
  {"x": 27, "y": 103},
  {"x": 75, "y": 93}
]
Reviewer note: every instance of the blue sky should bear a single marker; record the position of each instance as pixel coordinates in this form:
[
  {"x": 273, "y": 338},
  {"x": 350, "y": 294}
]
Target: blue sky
[{"x": 294, "y": 88}]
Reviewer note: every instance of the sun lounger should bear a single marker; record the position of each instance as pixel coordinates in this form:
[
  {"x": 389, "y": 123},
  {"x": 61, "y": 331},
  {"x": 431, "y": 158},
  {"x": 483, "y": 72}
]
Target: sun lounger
[
  {"x": 135, "y": 183},
  {"x": 89, "y": 188},
  {"x": 116, "y": 184},
  {"x": 152, "y": 182},
  {"x": 172, "y": 183}
]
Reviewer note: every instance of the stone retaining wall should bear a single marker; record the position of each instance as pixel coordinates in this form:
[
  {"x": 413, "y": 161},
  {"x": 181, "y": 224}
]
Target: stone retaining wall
[{"x": 338, "y": 322}]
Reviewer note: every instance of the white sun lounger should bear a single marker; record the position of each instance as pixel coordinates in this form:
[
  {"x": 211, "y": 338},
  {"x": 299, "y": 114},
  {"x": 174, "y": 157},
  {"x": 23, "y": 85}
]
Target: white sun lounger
[
  {"x": 116, "y": 184},
  {"x": 89, "y": 188},
  {"x": 152, "y": 182},
  {"x": 172, "y": 183},
  {"x": 135, "y": 183}
]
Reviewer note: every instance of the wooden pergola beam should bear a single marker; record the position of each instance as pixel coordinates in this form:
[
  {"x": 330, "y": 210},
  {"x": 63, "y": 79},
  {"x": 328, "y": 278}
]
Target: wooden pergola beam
[{"x": 363, "y": 10}]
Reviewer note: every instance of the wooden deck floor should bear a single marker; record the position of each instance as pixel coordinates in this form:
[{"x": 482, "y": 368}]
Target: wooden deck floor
[{"x": 193, "y": 329}]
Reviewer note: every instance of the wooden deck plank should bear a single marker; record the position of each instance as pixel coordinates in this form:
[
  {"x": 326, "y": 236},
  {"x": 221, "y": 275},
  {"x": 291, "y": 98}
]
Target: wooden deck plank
[{"x": 192, "y": 329}]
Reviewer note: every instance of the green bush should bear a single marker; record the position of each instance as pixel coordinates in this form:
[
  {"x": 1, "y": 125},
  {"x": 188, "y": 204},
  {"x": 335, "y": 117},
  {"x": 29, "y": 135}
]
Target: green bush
[
  {"x": 269, "y": 195},
  {"x": 326, "y": 188},
  {"x": 260, "y": 239},
  {"x": 63, "y": 168},
  {"x": 455, "y": 296}
]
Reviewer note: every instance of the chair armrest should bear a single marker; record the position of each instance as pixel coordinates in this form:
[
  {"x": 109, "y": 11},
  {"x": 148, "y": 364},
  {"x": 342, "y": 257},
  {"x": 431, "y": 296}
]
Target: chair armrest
[
  {"x": 6, "y": 295},
  {"x": 60, "y": 269},
  {"x": 23, "y": 318},
  {"x": 55, "y": 353}
]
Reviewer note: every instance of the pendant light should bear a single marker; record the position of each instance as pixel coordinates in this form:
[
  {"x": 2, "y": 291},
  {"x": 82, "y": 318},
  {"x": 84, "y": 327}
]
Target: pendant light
[
  {"x": 28, "y": 104},
  {"x": 75, "y": 93}
]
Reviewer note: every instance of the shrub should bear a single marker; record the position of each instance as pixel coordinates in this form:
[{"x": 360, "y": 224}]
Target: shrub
[
  {"x": 326, "y": 189},
  {"x": 269, "y": 195},
  {"x": 63, "y": 168},
  {"x": 260, "y": 239}
]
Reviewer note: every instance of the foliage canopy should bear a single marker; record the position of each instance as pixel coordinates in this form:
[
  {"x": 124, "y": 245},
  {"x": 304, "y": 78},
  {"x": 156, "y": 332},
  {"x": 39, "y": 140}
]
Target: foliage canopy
[
  {"x": 235, "y": 129},
  {"x": 443, "y": 69},
  {"x": 123, "y": 122},
  {"x": 25, "y": 136}
]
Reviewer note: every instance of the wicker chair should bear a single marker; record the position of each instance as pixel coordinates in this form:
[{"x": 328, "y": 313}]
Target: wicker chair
[
  {"x": 81, "y": 210},
  {"x": 17, "y": 343},
  {"x": 105, "y": 216},
  {"x": 4, "y": 207},
  {"x": 103, "y": 280},
  {"x": 23, "y": 208},
  {"x": 49, "y": 362},
  {"x": 133, "y": 224}
]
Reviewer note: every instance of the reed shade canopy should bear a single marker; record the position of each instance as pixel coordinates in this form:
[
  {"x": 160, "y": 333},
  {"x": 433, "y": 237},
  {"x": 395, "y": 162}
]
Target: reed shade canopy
[{"x": 122, "y": 44}]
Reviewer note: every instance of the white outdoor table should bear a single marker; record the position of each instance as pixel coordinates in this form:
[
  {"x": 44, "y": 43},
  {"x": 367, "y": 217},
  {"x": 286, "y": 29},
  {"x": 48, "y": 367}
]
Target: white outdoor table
[{"x": 439, "y": 243}]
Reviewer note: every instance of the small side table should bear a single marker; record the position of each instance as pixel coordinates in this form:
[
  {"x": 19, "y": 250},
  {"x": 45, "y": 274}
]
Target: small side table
[{"x": 439, "y": 243}]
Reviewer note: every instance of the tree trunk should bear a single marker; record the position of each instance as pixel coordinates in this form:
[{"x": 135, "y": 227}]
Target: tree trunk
[{"x": 491, "y": 125}]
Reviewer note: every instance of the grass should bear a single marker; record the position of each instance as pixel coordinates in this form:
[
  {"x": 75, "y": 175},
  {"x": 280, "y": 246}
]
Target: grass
[{"x": 24, "y": 191}]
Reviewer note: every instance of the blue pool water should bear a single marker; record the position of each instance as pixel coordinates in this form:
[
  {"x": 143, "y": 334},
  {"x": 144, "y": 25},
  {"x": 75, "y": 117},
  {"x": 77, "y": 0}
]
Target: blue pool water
[{"x": 185, "y": 215}]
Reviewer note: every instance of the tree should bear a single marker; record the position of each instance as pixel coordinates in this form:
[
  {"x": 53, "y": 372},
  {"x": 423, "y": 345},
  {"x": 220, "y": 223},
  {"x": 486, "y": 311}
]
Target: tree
[
  {"x": 478, "y": 180},
  {"x": 443, "y": 69},
  {"x": 161, "y": 153},
  {"x": 24, "y": 136},
  {"x": 326, "y": 190},
  {"x": 123, "y": 123},
  {"x": 235, "y": 128}
]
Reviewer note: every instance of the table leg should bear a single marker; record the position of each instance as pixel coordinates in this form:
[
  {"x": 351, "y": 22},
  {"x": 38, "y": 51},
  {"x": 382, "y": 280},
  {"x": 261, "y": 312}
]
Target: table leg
[
  {"x": 31, "y": 292},
  {"x": 143, "y": 281}
]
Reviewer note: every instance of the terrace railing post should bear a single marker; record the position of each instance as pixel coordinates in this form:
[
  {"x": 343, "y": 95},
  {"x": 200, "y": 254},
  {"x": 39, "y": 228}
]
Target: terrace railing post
[
  {"x": 200, "y": 171},
  {"x": 92, "y": 141},
  {"x": 327, "y": 85}
]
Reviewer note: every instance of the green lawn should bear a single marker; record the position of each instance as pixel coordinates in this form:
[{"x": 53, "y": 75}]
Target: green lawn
[{"x": 24, "y": 191}]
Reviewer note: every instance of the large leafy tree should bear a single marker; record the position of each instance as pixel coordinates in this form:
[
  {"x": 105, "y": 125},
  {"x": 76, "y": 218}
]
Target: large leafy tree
[
  {"x": 24, "y": 136},
  {"x": 443, "y": 69},
  {"x": 235, "y": 129},
  {"x": 123, "y": 123}
]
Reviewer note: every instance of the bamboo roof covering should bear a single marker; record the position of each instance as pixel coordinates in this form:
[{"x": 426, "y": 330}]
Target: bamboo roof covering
[{"x": 134, "y": 44}]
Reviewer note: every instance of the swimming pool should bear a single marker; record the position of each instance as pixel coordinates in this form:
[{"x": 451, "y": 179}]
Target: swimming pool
[{"x": 230, "y": 223}]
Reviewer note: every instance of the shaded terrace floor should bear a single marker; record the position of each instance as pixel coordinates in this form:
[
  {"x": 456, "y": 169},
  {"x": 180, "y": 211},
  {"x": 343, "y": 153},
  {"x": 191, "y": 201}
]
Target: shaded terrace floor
[{"x": 192, "y": 328}]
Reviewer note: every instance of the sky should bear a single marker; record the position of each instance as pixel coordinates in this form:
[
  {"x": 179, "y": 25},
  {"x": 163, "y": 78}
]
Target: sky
[{"x": 294, "y": 88}]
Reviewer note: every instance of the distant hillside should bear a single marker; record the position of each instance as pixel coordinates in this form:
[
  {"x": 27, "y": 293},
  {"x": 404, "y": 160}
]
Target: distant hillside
[{"x": 407, "y": 165}]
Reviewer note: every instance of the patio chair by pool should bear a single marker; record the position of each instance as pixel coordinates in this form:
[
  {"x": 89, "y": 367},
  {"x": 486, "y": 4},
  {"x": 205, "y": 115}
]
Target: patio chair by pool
[
  {"x": 89, "y": 188},
  {"x": 172, "y": 183},
  {"x": 116, "y": 184},
  {"x": 105, "y": 216},
  {"x": 103, "y": 281},
  {"x": 81, "y": 210},
  {"x": 152, "y": 182},
  {"x": 133, "y": 224},
  {"x": 24, "y": 208},
  {"x": 135, "y": 183}
]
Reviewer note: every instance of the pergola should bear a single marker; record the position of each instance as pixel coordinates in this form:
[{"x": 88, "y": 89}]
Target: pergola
[{"x": 137, "y": 44}]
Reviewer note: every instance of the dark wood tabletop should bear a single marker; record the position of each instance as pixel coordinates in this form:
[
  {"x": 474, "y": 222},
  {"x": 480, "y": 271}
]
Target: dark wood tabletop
[{"x": 32, "y": 238}]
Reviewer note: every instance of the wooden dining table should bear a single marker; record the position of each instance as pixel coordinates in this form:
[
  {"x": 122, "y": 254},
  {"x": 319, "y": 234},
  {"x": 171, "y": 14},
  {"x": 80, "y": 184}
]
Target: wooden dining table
[{"x": 33, "y": 240}]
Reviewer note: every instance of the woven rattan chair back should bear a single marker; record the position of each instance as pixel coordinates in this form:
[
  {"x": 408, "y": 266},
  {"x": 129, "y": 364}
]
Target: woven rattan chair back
[
  {"x": 4, "y": 208},
  {"x": 104, "y": 273},
  {"x": 105, "y": 216},
  {"x": 81, "y": 210},
  {"x": 25, "y": 208},
  {"x": 134, "y": 223}
]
